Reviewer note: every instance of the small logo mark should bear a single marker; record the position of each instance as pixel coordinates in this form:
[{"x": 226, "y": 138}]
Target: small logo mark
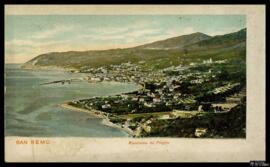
[{"x": 258, "y": 163}]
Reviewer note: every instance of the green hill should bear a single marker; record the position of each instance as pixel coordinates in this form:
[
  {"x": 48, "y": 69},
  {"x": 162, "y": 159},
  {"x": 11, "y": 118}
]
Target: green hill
[
  {"x": 161, "y": 54},
  {"x": 221, "y": 41}
]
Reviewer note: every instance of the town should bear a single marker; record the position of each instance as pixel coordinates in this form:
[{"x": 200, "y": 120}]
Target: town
[{"x": 198, "y": 90}]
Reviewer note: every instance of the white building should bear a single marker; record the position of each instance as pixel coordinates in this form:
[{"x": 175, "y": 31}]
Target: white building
[
  {"x": 106, "y": 106},
  {"x": 208, "y": 61}
]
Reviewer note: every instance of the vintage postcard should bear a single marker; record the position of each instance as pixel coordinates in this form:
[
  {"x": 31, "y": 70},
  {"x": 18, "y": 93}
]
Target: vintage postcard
[{"x": 88, "y": 83}]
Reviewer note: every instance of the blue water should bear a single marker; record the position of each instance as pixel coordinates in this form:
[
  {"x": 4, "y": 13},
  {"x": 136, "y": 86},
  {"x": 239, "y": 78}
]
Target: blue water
[{"x": 32, "y": 109}]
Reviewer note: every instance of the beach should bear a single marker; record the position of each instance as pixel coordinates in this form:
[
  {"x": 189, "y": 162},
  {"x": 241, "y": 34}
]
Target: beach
[
  {"x": 77, "y": 109},
  {"x": 105, "y": 120},
  {"x": 40, "y": 113}
]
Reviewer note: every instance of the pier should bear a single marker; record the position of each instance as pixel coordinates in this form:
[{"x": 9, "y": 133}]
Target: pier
[{"x": 59, "y": 81}]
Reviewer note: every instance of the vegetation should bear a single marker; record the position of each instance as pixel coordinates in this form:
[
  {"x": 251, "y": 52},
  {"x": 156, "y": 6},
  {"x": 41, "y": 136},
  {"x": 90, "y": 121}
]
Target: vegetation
[
  {"x": 170, "y": 52},
  {"x": 231, "y": 124},
  {"x": 194, "y": 73}
]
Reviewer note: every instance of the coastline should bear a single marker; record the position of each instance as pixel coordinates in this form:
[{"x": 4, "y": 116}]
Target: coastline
[
  {"x": 46, "y": 68},
  {"x": 105, "y": 120},
  {"x": 77, "y": 109}
]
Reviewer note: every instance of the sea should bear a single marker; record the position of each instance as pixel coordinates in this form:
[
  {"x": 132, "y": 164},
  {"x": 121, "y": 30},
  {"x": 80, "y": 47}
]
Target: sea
[{"x": 32, "y": 109}]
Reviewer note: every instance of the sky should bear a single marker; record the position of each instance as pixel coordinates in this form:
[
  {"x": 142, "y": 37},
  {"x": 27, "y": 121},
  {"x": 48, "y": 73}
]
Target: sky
[{"x": 27, "y": 36}]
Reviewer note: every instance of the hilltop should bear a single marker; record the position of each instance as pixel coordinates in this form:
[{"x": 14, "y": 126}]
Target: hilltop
[{"x": 176, "y": 42}]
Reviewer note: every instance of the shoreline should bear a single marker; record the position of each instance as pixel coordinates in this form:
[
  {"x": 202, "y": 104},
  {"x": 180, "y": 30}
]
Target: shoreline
[
  {"x": 105, "y": 120},
  {"x": 77, "y": 109},
  {"x": 46, "y": 68}
]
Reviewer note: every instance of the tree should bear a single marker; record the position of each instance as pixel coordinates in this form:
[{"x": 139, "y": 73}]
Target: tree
[{"x": 224, "y": 75}]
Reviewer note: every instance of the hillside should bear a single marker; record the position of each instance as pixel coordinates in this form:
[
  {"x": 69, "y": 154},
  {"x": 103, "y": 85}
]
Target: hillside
[
  {"x": 221, "y": 41},
  {"x": 176, "y": 42},
  {"x": 173, "y": 51}
]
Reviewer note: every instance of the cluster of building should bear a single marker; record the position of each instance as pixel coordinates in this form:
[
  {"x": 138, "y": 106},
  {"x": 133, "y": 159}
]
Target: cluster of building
[
  {"x": 209, "y": 61},
  {"x": 174, "y": 91},
  {"x": 159, "y": 91}
]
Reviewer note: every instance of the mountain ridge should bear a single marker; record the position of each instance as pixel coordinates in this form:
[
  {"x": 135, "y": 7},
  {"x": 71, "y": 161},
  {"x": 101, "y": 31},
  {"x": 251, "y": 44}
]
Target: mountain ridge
[
  {"x": 184, "y": 49},
  {"x": 181, "y": 41}
]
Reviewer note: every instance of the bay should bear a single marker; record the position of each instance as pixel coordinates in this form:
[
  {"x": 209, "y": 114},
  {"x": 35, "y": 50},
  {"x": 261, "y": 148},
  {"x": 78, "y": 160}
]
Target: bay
[{"x": 32, "y": 109}]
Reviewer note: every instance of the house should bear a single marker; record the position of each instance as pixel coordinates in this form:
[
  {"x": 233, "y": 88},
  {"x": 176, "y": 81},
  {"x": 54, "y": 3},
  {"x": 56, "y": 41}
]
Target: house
[
  {"x": 221, "y": 61},
  {"x": 151, "y": 94},
  {"x": 208, "y": 61},
  {"x": 200, "y": 108},
  {"x": 176, "y": 96},
  {"x": 103, "y": 70},
  {"x": 199, "y": 132},
  {"x": 148, "y": 122},
  {"x": 106, "y": 106},
  {"x": 166, "y": 116},
  {"x": 224, "y": 106},
  {"x": 169, "y": 104},
  {"x": 141, "y": 99},
  {"x": 148, "y": 104},
  {"x": 106, "y": 79},
  {"x": 95, "y": 79},
  {"x": 124, "y": 96},
  {"x": 156, "y": 100},
  {"x": 135, "y": 99},
  {"x": 233, "y": 99},
  {"x": 147, "y": 129},
  {"x": 197, "y": 81},
  {"x": 75, "y": 102}
]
